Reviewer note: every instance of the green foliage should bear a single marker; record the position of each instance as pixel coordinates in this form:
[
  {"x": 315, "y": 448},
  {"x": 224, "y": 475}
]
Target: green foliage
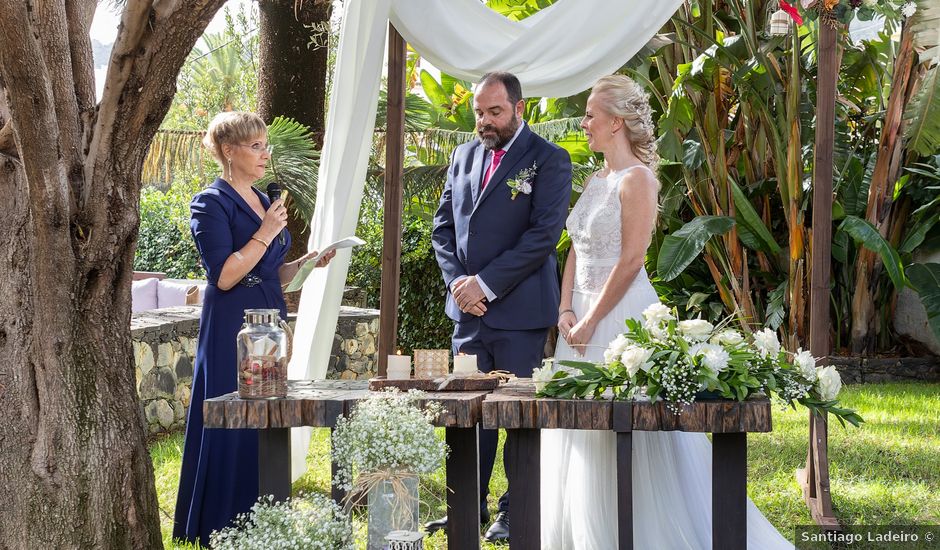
[
  {"x": 164, "y": 242},
  {"x": 422, "y": 322},
  {"x": 219, "y": 75},
  {"x": 925, "y": 278},
  {"x": 867, "y": 235},
  {"x": 680, "y": 248},
  {"x": 294, "y": 163}
]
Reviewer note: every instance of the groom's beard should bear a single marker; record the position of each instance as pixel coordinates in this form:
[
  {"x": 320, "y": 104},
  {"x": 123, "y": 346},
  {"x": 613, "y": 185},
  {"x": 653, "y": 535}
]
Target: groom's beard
[{"x": 502, "y": 137}]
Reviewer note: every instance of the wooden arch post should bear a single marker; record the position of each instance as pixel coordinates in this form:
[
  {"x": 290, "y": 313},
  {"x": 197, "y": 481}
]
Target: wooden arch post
[
  {"x": 391, "y": 228},
  {"x": 814, "y": 479}
]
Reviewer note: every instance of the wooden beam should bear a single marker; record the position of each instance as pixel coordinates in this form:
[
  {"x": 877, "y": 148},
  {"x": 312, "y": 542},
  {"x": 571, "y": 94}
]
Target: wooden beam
[
  {"x": 815, "y": 478},
  {"x": 394, "y": 160}
]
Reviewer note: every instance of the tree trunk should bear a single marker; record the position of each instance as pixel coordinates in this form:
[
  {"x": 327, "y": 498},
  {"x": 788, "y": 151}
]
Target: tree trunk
[
  {"x": 76, "y": 471},
  {"x": 878, "y": 211},
  {"x": 292, "y": 81}
]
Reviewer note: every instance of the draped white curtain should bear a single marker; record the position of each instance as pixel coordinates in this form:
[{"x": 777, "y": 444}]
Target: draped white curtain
[{"x": 557, "y": 52}]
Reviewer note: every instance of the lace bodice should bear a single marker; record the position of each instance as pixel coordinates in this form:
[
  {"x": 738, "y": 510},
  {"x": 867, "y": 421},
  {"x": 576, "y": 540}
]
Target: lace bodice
[{"x": 594, "y": 226}]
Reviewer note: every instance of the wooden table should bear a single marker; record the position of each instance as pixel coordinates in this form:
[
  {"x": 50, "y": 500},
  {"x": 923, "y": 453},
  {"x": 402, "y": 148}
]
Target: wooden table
[
  {"x": 515, "y": 408},
  {"x": 320, "y": 404}
]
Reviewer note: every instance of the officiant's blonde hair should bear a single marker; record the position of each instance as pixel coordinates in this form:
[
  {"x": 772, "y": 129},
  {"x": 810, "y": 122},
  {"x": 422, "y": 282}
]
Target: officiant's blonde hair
[
  {"x": 622, "y": 97},
  {"x": 232, "y": 128}
]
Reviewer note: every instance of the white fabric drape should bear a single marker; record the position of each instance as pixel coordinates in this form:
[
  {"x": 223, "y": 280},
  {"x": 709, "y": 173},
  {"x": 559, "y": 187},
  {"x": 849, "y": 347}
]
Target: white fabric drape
[{"x": 557, "y": 52}]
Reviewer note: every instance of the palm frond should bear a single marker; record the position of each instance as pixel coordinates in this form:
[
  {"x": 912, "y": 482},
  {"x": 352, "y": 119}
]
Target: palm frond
[
  {"x": 171, "y": 151},
  {"x": 926, "y": 28},
  {"x": 438, "y": 139},
  {"x": 923, "y": 113},
  {"x": 294, "y": 163}
]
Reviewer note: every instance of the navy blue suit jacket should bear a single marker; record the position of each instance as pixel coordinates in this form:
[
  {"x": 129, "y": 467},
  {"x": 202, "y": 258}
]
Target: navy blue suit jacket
[{"x": 509, "y": 243}]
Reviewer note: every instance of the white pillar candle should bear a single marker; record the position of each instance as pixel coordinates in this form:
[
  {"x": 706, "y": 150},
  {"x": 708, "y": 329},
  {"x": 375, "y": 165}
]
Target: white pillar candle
[
  {"x": 465, "y": 364},
  {"x": 399, "y": 367}
]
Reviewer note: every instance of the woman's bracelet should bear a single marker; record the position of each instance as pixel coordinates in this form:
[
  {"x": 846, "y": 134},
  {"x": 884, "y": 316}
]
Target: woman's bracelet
[
  {"x": 260, "y": 240},
  {"x": 562, "y": 312}
]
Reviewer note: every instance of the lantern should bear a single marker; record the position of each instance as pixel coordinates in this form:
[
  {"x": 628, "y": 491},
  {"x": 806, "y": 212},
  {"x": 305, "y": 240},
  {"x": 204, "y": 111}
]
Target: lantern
[
  {"x": 779, "y": 23},
  {"x": 405, "y": 540}
]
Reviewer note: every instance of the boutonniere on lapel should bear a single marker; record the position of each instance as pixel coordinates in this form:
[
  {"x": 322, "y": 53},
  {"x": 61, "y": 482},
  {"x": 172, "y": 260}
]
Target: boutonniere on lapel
[{"x": 523, "y": 181}]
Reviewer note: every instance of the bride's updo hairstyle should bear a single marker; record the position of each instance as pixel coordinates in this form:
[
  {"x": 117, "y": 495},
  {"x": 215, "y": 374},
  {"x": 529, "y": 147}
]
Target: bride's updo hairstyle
[{"x": 622, "y": 97}]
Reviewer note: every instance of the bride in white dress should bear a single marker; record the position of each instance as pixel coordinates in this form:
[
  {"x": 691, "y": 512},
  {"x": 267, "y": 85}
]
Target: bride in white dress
[{"x": 604, "y": 283}]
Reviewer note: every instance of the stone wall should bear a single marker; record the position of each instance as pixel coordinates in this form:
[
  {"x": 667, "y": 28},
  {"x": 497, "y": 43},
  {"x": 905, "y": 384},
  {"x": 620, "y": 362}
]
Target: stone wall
[
  {"x": 869, "y": 370},
  {"x": 164, "y": 343}
]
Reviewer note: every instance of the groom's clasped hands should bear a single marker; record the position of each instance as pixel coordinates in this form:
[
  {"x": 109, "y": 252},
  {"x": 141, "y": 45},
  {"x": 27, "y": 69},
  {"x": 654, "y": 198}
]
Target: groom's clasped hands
[{"x": 470, "y": 296}]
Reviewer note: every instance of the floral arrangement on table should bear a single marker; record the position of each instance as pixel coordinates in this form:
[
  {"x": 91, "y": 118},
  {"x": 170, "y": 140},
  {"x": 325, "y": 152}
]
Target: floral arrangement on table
[
  {"x": 680, "y": 361},
  {"x": 835, "y": 12},
  {"x": 388, "y": 438},
  {"x": 310, "y": 522}
]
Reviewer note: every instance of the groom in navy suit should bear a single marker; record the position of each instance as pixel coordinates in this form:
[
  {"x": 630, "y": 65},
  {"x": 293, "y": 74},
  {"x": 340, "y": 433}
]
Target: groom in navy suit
[{"x": 500, "y": 216}]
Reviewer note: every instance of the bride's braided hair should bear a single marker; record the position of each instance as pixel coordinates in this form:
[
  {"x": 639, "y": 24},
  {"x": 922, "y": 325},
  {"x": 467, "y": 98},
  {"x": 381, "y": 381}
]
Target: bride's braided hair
[{"x": 622, "y": 97}]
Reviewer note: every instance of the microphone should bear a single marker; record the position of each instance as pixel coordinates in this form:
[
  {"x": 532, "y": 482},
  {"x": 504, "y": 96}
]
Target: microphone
[{"x": 274, "y": 193}]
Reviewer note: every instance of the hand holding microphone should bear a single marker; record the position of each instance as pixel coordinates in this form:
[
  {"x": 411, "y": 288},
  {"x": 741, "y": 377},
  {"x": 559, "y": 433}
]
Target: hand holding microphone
[{"x": 274, "y": 194}]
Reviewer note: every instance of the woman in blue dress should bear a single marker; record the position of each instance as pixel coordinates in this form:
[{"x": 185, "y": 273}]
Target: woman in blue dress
[{"x": 243, "y": 242}]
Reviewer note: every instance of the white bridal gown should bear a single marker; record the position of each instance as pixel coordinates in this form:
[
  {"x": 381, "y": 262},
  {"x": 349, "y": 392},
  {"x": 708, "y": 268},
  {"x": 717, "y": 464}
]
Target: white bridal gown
[{"x": 672, "y": 499}]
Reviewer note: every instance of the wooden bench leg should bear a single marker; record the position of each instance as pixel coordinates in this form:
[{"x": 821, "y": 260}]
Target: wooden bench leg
[
  {"x": 729, "y": 491},
  {"x": 523, "y": 469},
  {"x": 463, "y": 495},
  {"x": 625, "y": 490},
  {"x": 336, "y": 493},
  {"x": 274, "y": 463}
]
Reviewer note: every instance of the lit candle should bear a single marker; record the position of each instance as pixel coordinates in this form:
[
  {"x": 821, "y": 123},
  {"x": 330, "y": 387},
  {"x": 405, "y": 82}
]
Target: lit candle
[
  {"x": 465, "y": 364},
  {"x": 399, "y": 367}
]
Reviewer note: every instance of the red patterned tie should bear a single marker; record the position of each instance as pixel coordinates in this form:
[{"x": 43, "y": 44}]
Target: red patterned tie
[{"x": 497, "y": 156}]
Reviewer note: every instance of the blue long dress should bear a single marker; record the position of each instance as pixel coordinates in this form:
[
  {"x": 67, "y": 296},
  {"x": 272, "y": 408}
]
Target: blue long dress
[{"x": 219, "y": 475}]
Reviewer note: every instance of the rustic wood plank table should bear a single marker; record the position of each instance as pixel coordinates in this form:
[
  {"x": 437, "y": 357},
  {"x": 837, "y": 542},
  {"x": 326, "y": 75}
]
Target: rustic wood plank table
[
  {"x": 515, "y": 408},
  {"x": 320, "y": 403}
]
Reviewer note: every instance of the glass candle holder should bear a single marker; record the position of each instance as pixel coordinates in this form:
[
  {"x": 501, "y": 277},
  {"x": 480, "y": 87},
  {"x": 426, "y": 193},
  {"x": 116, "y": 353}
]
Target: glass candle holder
[{"x": 431, "y": 363}]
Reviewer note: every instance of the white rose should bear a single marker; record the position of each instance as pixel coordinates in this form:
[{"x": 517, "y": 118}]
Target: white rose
[
  {"x": 805, "y": 364},
  {"x": 542, "y": 376},
  {"x": 656, "y": 314},
  {"x": 767, "y": 343},
  {"x": 525, "y": 188},
  {"x": 697, "y": 330},
  {"x": 715, "y": 357},
  {"x": 635, "y": 358},
  {"x": 729, "y": 337},
  {"x": 828, "y": 382},
  {"x": 615, "y": 348}
]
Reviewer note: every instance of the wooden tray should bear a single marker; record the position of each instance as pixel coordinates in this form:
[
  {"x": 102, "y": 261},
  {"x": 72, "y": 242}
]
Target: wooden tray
[{"x": 478, "y": 383}]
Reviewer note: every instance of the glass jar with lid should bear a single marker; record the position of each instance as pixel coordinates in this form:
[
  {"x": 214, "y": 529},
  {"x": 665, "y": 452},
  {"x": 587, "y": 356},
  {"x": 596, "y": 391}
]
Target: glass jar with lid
[{"x": 262, "y": 355}]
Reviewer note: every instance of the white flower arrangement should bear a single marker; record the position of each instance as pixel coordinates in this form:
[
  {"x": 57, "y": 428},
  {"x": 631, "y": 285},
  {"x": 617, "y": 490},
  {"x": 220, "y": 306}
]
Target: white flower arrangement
[
  {"x": 387, "y": 433},
  {"x": 677, "y": 360},
  {"x": 310, "y": 522}
]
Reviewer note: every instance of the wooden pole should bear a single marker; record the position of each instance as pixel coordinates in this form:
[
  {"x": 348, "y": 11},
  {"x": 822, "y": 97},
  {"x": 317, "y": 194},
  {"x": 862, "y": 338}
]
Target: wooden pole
[
  {"x": 815, "y": 477},
  {"x": 394, "y": 160}
]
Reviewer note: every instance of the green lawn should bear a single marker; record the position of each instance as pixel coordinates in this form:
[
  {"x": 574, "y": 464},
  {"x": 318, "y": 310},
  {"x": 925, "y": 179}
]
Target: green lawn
[{"x": 887, "y": 472}]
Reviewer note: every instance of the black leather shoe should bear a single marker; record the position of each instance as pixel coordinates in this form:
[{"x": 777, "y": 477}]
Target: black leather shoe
[
  {"x": 499, "y": 531},
  {"x": 441, "y": 524}
]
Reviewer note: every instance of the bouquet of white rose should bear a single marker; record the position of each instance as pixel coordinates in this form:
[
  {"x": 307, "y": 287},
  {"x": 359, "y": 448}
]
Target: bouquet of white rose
[
  {"x": 679, "y": 361},
  {"x": 311, "y": 522}
]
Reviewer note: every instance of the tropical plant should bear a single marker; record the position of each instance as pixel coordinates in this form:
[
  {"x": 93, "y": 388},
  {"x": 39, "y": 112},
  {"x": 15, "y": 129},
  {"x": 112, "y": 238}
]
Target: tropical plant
[{"x": 736, "y": 128}]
